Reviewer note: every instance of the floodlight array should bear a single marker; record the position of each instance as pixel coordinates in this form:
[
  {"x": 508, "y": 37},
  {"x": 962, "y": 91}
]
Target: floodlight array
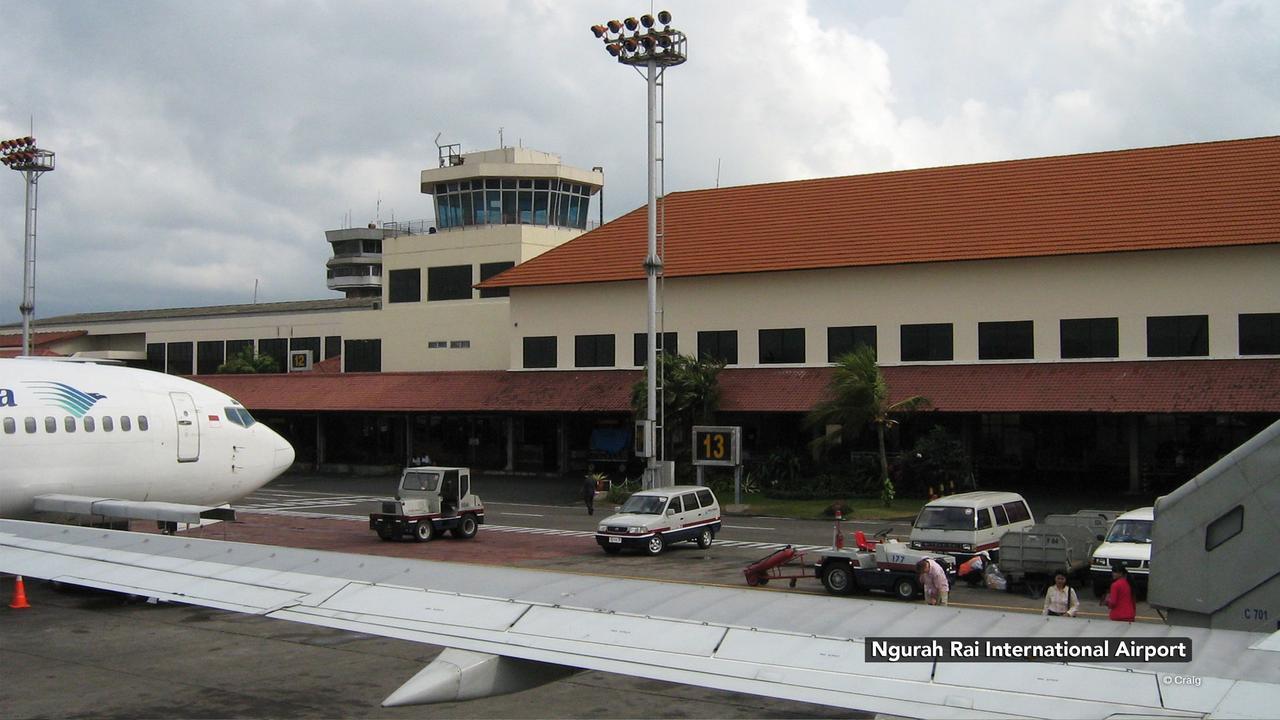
[
  {"x": 22, "y": 154},
  {"x": 639, "y": 41}
]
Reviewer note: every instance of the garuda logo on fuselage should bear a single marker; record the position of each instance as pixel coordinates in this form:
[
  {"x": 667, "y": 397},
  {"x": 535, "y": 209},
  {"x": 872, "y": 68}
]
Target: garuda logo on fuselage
[{"x": 76, "y": 402}]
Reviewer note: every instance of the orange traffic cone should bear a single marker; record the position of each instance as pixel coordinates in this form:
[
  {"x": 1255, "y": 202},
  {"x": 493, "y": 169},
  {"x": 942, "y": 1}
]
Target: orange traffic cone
[{"x": 19, "y": 595}]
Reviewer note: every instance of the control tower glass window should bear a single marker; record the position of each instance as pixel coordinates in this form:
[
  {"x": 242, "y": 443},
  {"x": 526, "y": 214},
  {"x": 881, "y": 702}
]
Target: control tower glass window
[{"x": 512, "y": 201}]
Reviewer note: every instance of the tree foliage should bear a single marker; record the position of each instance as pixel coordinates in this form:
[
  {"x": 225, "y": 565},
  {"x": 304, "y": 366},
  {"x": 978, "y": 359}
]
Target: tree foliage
[
  {"x": 856, "y": 397},
  {"x": 691, "y": 395},
  {"x": 247, "y": 361}
]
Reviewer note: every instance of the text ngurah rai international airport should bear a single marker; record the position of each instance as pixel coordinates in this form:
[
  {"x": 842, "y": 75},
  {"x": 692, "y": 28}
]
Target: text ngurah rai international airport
[{"x": 961, "y": 649}]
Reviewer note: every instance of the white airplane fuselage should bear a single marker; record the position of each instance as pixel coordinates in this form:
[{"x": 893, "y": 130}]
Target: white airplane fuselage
[{"x": 111, "y": 431}]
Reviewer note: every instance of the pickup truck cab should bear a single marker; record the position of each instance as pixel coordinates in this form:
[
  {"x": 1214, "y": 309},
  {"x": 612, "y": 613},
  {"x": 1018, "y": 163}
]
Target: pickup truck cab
[
  {"x": 430, "y": 501},
  {"x": 650, "y": 520},
  {"x": 1127, "y": 542}
]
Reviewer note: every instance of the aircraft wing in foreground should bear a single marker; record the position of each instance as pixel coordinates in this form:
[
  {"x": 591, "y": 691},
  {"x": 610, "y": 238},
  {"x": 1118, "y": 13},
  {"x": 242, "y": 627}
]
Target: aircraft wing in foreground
[{"x": 511, "y": 628}]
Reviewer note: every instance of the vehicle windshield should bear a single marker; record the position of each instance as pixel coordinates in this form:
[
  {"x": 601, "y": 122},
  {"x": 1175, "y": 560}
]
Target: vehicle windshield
[
  {"x": 945, "y": 518},
  {"x": 239, "y": 416},
  {"x": 421, "y": 481},
  {"x": 1130, "y": 531},
  {"x": 644, "y": 504}
]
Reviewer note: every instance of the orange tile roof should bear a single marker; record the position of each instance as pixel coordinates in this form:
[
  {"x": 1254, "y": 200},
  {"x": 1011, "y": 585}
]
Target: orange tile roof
[
  {"x": 1183, "y": 196},
  {"x": 1166, "y": 386},
  {"x": 40, "y": 338}
]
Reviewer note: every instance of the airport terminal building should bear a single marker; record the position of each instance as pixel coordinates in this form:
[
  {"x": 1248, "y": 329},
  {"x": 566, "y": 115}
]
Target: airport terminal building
[{"x": 1111, "y": 320}]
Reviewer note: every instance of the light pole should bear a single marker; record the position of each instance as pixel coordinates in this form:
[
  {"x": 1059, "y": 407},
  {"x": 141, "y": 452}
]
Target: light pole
[
  {"x": 640, "y": 43},
  {"x": 21, "y": 154}
]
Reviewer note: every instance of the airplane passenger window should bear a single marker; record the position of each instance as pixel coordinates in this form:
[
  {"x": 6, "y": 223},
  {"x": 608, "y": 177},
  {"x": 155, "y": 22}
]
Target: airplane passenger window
[
  {"x": 88, "y": 423},
  {"x": 107, "y": 423},
  {"x": 29, "y": 424},
  {"x": 124, "y": 423},
  {"x": 50, "y": 425},
  {"x": 69, "y": 423},
  {"x": 10, "y": 427},
  {"x": 142, "y": 423}
]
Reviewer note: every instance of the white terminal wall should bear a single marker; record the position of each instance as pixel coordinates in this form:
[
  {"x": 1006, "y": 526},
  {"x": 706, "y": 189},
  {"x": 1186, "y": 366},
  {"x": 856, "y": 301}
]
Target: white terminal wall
[{"x": 1218, "y": 282}]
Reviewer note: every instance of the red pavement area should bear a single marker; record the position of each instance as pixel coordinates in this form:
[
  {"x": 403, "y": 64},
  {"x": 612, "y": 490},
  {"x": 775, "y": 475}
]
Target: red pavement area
[{"x": 489, "y": 548}]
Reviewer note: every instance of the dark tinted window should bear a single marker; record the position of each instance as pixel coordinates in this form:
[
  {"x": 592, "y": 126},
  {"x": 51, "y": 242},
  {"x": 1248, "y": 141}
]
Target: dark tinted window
[
  {"x": 782, "y": 346},
  {"x": 1260, "y": 334},
  {"x": 667, "y": 343},
  {"x": 926, "y": 342},
  {"x": 142, "y": 423},
  {"x": 1017, "y": 511},
  {"x": 180, "y": 358},
  {"x": 155, "y": 357},
  {"x": 1090, "y": 338},
  {"x": 1224, "y": 528},
  {"x": 278, "y": 350},
  {"x": 488, "y": 270},
  {"x": 10, "y": 427},
  {"x": 50, "y": 425},
  {"x": 593, "y": 351},
  {"x": 706, "y": 498},
  {"x": 984, "y": 519},
  {"x": 332, "y": 346},
  {"x": 1178, "y": 336},
  {"x": 844, "y": 340},
  {"x": 29, "y": 424},
  {"x": 107, "y": 423},
  {"x": 209, "y": 355},
  {"x": 235, "y": 347},
  {"x": 362, "y": 355},
  {"x": 69, "y": 424},
  {"x": 690, "y": 501},
  {"x": 675, "y": 504},
  {"x": 719, "y": 345},
  {"x": 1005, "y": 340},
  {"x": 452, "y": 282},
  {"x": 405, "y": 286},
  {"x": 125, "y": 423},
  {"x": 540, "y": 352},
  {"x": 1002, "y": 518}
]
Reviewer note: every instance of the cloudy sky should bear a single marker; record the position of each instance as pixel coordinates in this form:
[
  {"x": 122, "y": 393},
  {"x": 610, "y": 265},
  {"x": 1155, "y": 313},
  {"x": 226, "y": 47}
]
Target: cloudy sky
[{"x": 203, "y": 147}]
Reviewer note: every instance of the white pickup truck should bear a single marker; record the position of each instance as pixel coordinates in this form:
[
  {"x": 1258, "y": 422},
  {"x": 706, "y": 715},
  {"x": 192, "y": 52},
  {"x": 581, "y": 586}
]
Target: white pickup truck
[{"x": 430, "y": 501}]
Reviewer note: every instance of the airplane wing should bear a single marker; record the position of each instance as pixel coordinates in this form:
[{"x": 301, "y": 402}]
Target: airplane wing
[
  {"x": 801, "y": 647},
  {"x": 117, "y": 509}
]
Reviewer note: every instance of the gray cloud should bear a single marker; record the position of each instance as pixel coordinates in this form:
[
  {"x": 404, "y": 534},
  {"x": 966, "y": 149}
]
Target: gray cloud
[{"x": 201, "y": 147}]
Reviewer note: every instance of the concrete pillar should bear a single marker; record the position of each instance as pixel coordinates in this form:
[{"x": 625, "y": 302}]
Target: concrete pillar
[{"x": 319, "y": 442}]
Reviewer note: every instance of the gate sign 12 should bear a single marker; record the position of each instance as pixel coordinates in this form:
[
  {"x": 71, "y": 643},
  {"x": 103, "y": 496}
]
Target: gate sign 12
[{"x": 717, "y": 445}]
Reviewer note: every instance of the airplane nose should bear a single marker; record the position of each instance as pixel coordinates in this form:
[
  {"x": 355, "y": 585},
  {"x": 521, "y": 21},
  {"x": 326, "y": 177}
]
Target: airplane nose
[{"x": 283, "y": 456}]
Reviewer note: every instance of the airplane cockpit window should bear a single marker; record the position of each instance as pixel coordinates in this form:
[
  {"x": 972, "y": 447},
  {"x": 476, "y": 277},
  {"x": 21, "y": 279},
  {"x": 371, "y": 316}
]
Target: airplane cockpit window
[
  {"x": 124, "y": 424},
  {"x": 10, "y": 427},
  {"x": 69, "y": 423},
  {"x": 239, "y": 416},
  {"x": 142, "y": 423},
  {"x": 89, "y": 425},
  {"x": 107, "y": 423},
  {"x": 50, "y": 425}
]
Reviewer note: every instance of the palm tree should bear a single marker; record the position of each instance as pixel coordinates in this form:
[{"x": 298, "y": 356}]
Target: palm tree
[
  {"x": 856, "y": 397},
  {"x": 691, "y": 394}
]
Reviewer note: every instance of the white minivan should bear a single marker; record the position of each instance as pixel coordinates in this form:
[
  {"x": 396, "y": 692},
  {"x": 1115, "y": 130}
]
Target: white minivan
[
  {"x": 969, "y": 523},
  {"x": 1128, "y": 542},
  {"x": 651, "y": 520}
]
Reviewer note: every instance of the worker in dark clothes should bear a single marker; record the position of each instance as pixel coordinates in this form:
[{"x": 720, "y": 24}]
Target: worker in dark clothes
[{"x": 589, "y": 491}]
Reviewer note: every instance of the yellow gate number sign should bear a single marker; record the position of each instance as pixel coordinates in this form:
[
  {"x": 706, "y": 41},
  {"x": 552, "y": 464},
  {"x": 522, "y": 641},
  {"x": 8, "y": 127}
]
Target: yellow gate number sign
[{"x": 717, "y": 445}]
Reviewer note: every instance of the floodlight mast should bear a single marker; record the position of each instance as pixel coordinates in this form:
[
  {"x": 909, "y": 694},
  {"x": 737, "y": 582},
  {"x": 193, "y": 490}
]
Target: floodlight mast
[
  {"x": 640, "y": 43},
  {"x": 22, "y": 155}
]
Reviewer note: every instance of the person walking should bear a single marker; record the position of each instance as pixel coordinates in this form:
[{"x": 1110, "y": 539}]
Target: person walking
[
  {"x": 1060, "y": 598},
  {"x": 1120, "y": 597},
  {"x": 934, "y": 581},
  {"x": 589, "y": 491}
]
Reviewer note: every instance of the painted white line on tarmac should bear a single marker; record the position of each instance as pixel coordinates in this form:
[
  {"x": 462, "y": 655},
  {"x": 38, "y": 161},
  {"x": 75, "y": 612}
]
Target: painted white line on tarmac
[
  {"x": 520, "y": 514},
  {"x": 748, "y": 527}
]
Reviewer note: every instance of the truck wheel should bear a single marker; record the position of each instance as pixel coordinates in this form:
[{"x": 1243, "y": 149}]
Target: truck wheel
[
  {"x": 423, "y": 531},
  {"x": 385, "y": 533},
  {"x": 466, "y": 528},
  {"x": 704, "y": 539},
  {"x": 904, "y": 588},
  {"x": 655, "y": 545},
  {"x": 837, "y": 578}
]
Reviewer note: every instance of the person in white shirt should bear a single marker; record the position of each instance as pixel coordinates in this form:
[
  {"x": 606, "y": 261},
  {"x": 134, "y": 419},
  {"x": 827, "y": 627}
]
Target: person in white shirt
[{"x": 1060, "y": 599}]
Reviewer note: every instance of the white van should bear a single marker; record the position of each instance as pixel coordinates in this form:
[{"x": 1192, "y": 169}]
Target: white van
[
  {"x": 969, "y": 523},
  {"x": 652, "y": 519},
  {"x": 1128, "y": 542}
]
